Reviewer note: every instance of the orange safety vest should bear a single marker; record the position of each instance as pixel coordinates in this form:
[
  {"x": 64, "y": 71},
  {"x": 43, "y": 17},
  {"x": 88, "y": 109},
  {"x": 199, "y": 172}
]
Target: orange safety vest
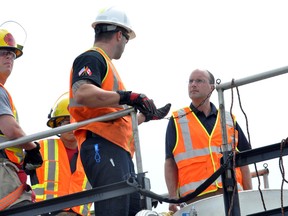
[
  {"x": 55, "y": 177},
  {"x": 14, "y": 154},
  {"x": 197, "y": 154},
  {"x": 118, "y": 131}
]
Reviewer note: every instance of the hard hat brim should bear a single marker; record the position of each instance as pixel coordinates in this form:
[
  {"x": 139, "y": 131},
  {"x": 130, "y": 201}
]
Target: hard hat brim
[
  {"x": 54, "y": 121},
  {"x": 18, "y": 52},
  {"x": 131, "y": 33}
]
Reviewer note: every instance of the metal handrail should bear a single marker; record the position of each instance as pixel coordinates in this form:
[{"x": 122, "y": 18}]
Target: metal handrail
[
  {"x": 220, "y": 88},
  {"x": 253, "y": 78},
  {"x": 66, "y": 128},
  {"x": 264, "y": 173},
  {"x": 228, "y": 85}
]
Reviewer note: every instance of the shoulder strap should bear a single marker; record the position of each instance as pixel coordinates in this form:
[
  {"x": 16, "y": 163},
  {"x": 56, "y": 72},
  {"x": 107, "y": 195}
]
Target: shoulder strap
[
  {"x": 11, "y": 198},
  {"x": 14, "y": 195}
]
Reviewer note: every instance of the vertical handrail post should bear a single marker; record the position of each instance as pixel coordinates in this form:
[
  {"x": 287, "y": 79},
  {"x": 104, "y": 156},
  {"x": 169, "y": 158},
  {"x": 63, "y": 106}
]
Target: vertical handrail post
[
  {"x": 136, "y": 142},
  {"x": 145, "y": 202},
  {"x": 230, "y": 193}
]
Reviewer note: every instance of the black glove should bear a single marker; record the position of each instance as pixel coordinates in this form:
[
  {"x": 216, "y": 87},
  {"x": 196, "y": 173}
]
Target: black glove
[
  {"x": 159, "y": 114},
  {"x": 33, "y": 158},
  {"x": 139, "y": 101}
]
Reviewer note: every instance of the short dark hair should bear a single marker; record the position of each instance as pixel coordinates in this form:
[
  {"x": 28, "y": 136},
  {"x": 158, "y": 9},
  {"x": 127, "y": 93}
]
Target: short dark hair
[{"x": 106, "y": 31}]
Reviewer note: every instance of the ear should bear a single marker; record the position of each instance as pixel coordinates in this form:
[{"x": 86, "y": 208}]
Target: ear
[
  {"x": 119, "y": 35},
  {"x": 212, "y": 87}
]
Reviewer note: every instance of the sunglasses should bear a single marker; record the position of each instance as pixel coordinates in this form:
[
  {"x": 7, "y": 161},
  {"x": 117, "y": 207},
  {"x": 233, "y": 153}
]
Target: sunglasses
[
  {"x": 64, "y": 121},
  {"x": 126, "y": 35},
  {"x": 5, "y": 53}
]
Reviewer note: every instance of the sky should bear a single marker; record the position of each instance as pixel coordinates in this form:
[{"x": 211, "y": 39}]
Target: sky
[{"x": 232, "y": 39}]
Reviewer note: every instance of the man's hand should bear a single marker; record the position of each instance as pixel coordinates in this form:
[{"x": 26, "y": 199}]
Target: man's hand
[
  {"x": 33, "y": 158},
  {"x": 139, "y": 101},
  {"x": 173, "y": 207},
  {"x": 159, "y": 114}
]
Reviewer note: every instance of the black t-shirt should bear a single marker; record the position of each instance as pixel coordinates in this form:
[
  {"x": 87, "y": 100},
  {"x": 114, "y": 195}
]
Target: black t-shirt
[
  {"x": 90, "y": 65},
  {"x": 208, "y": 123}
]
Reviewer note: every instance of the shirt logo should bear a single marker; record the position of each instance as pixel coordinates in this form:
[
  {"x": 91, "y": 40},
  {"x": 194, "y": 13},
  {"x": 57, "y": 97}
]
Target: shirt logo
[{"x": 85, "y": 71}]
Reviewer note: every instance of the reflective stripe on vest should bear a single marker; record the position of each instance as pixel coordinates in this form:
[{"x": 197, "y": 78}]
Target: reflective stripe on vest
[
  {"x": 55, "y": 177},
  {"x": 121, "y": 128},
  {"x": 198, "y": 153}
]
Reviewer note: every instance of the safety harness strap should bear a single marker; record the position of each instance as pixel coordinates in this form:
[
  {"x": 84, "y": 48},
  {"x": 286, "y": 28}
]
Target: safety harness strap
[{"x": 12, "y": 197}]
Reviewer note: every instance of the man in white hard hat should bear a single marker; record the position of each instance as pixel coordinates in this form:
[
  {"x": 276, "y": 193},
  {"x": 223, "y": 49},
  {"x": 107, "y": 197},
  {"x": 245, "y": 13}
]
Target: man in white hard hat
[
  {"x": 14, "y": 191},
  {"x": 107, "y": 148}
]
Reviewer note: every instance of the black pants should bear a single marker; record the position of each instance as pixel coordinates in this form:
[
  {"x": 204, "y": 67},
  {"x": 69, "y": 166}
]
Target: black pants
[{"x": 106, "y": 163}]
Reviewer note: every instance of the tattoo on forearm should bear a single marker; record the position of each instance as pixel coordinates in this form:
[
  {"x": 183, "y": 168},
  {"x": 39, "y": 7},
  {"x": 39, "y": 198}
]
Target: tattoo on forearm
[{"x": 77, "y": 84}]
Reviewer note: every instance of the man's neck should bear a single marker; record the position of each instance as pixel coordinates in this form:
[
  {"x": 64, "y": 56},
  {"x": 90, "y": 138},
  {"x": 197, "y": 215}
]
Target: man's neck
[
  {"x": 69, "y": 144},
  {"x": 3, "y": 79},
  {"x": 105, "y": 47},
  {"x": 205, "y": 107}
]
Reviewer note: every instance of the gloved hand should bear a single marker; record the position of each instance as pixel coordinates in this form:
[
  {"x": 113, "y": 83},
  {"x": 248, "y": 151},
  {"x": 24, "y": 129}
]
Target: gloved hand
[
  {"x": 159, "y": 114},
  {"x": 33, "y": 158},
  {"x": 139, "y": 101}
]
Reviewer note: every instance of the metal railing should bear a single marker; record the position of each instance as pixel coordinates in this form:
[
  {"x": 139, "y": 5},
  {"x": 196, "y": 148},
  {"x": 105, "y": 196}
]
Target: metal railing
[
  {"x": 123, "y": 188},
  {"x": 87, "y": 196},
  {"x": 75, "y": 125},
  {"x": 264, "y": 173},
  {"x": 230, "y": 191}
]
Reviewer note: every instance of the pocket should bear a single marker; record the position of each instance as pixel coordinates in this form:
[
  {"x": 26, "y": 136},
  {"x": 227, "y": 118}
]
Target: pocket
[{"x": 195, "y": 169}]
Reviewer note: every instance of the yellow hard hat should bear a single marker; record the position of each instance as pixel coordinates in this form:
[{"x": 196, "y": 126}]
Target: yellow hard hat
[
  {"x": 7, "y": 41},
  {"x": 59, "y": 111}
]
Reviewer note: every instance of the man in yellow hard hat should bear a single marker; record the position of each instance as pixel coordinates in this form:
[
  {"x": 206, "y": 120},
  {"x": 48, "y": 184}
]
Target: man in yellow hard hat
[
  {"x": 62, "y": 172},
  {"x": 14, "y": 191}
]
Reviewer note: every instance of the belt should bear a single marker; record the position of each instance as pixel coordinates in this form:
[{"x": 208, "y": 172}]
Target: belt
[{"x": 90, "y": 134}]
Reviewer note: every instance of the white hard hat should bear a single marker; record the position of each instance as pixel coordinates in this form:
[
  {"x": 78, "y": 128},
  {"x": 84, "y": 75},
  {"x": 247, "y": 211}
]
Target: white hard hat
[{"x": 114, "y": 16}]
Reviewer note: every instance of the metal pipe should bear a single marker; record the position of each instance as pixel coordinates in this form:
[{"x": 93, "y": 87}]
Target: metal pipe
[
  {"x": 264, "y": 173},
  {"x": 225, "y": 148},
  {"x": 265, "y": 180},
  {"x": 223, "y": 123},
  {"x": 64, "y": 128},
  {"x": 137, "y": 142},
  {"x": 253, "y": 78}
]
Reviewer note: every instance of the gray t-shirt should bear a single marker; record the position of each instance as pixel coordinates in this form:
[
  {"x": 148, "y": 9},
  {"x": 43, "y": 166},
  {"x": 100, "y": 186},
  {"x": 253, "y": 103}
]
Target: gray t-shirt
[
  {"x": 5, "y": 106},
  {"x": 5, "y": 109}
]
